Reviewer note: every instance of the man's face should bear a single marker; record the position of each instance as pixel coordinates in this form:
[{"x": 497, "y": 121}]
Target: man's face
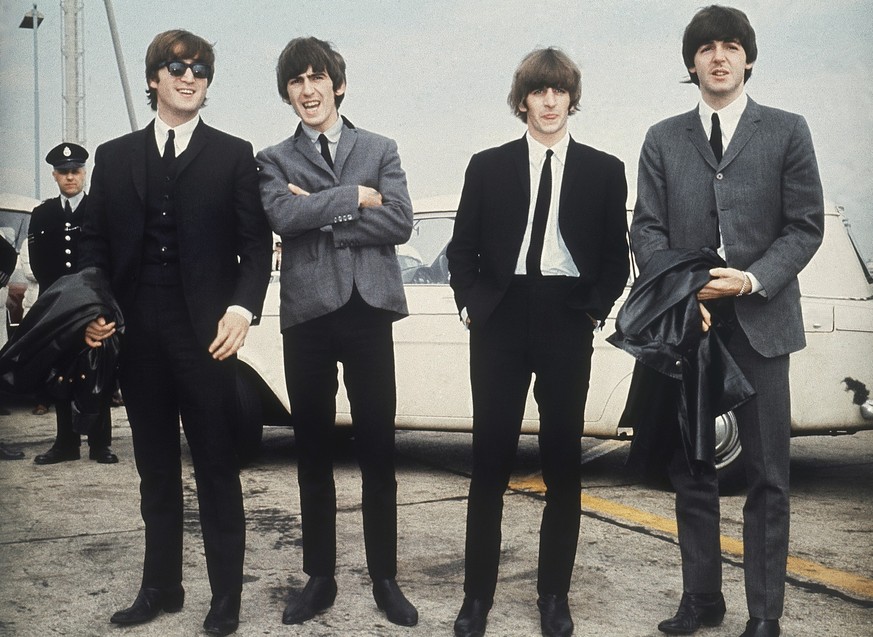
[
  {"x": 179, "y": 98},
  {"x": 547, "y": 112},
  {"x": 720, "y": 68},
  {"x": 71, "y": 181},
  {"x": 312, "y": 96}
]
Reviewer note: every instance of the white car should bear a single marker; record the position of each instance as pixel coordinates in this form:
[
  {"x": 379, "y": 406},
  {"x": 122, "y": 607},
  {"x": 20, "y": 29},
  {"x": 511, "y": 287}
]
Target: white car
[{"x": 828, "y": 378}]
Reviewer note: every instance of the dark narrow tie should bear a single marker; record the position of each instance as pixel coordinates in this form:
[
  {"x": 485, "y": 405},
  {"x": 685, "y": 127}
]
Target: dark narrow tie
[
  {"x": 325, "y": 150},
  {"x": 68, "y": 209},
  {"x": 170, "y": 148},
  {"x": 541, "y": 216},
  {"x": 715, "y": 137}
]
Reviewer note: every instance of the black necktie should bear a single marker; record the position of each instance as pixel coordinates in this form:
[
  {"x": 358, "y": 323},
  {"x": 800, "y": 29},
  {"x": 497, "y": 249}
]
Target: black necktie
[
  {"x": 325, "y": 150},
  {"x": 170, "y": 148},
  {"x": 68, "y": 209},
  {"x": 715, "y": 137},
  {"x": 541, "y": 216}
]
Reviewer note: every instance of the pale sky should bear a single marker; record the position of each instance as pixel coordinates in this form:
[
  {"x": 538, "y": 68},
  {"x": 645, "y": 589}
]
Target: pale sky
[{"x": 434, "y": 75}]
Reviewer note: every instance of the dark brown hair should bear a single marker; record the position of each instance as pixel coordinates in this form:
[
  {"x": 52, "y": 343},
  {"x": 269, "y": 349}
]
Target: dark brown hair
[
  {"x": 301, "y": 53},
  {"x": 723, "y": 24},
  {"x": 176, "y": 44},
  {"x": 545, "y": 68}
]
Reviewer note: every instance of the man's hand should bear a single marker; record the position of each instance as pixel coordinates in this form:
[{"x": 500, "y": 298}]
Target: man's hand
[
  {"x": 232, "y": 330},
  {"x": 98, "y": 331},
  {"x": 724, "y": 282},
  {"x": 297, "y": 190},
  {"x": 368, "y": 197},
  {"x": 706, "y": 317}
]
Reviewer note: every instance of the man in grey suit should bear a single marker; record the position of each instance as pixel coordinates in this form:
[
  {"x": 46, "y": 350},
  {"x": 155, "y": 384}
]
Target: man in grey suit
[
  {"x": 337, "y": 196},
  {"x": 743, "y": 178}
]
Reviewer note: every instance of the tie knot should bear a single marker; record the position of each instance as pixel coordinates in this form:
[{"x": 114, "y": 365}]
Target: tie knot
[
  {"x": 549, "y": 154},
  {"x": 171, "y": 134},
  {"x": 715, "y": 120}
]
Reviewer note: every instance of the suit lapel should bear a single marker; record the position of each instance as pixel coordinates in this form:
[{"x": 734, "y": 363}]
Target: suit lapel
[
  {"x": 306, "y": 148},
  {"x": 138, "y": 170},
  {"x": 199, "y": 140},
  {"x": 346, "y": 142},
  {"x": 746, "y": 128},
  {"x": 697, "y": 136}
]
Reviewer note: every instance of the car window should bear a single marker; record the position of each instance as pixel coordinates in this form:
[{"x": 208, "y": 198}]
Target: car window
[{"x": 423, "y": 258}]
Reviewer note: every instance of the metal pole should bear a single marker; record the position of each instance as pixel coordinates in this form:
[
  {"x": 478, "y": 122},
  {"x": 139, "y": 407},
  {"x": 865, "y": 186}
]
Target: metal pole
[
  {"x": 35, "y": 104},
  {"x": 119, "y": 58}
]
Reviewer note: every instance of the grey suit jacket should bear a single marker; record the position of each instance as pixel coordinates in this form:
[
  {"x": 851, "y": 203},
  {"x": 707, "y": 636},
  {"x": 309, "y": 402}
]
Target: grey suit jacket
[
  {"x": 765, "y": 197},
  {"x": 320, "y": 267}
]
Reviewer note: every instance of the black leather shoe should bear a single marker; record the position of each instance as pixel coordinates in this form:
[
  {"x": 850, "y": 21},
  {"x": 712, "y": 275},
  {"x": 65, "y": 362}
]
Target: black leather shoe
[
  {"x": 8, "y": 453},
  {"x": 705, "y": 609},
  {"x": 223, "y": 616},
  {"x": 390, "y": 598},
  {"x": 318, "y": 595},
  {"x": 555, "y": 620},
  {"x": 149, "y": 603},
  {"x": 103, "y": 455},
  {"x": 55, "y": 455},
  {"x": 473, "y": 617},
  {"x": 762, "y": 628}
]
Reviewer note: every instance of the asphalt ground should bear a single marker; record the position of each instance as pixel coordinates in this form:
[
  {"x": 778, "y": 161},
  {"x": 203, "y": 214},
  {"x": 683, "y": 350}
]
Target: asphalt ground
[{"x": 71, "y": 542}]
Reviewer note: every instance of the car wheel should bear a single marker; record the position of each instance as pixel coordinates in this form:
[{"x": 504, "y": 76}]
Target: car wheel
[
  {"x": 250, "y": 421},
  {"x": 729, "y": 455}
]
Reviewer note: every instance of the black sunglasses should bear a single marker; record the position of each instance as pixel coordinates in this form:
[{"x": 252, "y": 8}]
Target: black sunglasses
[{"x": 177, "y": 68}]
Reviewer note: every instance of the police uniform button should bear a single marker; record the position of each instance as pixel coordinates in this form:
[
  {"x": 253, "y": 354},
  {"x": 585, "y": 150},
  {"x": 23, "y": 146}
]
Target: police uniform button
[
  {"x": 68, "y": 264},
  {"x": 67, "y": 224},
  {"x": 68, "y": 251},
  {"x": 67, "y": 237}
]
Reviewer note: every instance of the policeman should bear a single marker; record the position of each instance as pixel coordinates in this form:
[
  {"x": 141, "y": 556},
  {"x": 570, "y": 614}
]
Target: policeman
[{"x": 53, "y": 239}]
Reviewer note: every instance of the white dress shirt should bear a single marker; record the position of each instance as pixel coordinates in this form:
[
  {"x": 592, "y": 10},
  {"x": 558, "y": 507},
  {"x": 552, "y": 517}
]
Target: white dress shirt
[
  {"x": 556, "y": 259},
  {"x": 728, "y": 119}
]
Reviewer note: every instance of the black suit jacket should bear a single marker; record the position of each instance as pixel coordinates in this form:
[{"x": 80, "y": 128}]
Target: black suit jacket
[
  {"x": 54, "y": 245},
  {"x": 225, "y": 243},
  {"x": 492, "y": 217}
]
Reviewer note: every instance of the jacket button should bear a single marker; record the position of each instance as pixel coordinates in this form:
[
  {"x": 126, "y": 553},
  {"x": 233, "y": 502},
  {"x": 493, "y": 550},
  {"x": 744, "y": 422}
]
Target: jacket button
[
  {"x": 66, "y": 237},
  {"x": 68, "y": 264},
  {"x": 719, "y": 176},
  {"x": 679, "y": 363}
]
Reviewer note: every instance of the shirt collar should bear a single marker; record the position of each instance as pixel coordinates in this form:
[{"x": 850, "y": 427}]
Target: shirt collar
[
  {"x": 728, "y": 117},
  {"x": 537, "y": 151},
  {"x": 74, "y": 201},
  {"x": 183, "y": 133},
  {"x": 333, "y": 133}
]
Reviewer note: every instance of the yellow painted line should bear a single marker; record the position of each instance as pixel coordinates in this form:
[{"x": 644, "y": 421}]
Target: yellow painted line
[{"x": 850, "y": 583}]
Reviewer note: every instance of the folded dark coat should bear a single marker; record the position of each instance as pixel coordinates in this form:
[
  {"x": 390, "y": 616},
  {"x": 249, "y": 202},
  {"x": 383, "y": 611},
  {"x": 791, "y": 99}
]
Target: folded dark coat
[
  {"x": 48, "y": 350},
  {"x": 683, "y": 375}
]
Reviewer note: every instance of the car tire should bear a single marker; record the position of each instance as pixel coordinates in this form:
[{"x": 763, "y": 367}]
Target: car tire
[
  {"x": 250, "y": 421},
  {"x": 729, "y": 455}
]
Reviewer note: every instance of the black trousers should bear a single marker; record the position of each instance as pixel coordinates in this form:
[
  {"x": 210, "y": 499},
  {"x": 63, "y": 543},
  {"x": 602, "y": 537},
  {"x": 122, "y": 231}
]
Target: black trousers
[
  {"x": 100, "y": 435},
  {"x": 360, "y": 337},
  {"x": 764, "y": 424},
  {"x": 532, "y": 331},
  {"x": 166, "y": 373}
]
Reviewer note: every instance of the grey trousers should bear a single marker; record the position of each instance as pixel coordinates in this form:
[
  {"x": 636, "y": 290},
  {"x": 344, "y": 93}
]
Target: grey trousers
[{"x": 765, "y": 430}]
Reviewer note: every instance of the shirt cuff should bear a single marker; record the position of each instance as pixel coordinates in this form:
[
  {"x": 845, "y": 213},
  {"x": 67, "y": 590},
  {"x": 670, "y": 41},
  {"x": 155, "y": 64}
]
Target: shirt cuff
[
  {"x": 756, "y": 285},
  {"x": 239, "y": 309}
]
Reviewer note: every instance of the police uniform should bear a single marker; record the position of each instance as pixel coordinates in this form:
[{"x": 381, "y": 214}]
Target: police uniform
[{"x": 53, "y": 242}]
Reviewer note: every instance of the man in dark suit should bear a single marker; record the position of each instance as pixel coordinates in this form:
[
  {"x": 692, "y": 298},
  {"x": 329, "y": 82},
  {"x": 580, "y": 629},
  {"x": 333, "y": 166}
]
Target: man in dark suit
[
  {"x": 337, "y": 196},
  {"x": 743, "y": 178},
  {"x": 538, "y": 257},
  {"x": 174, "y": 219},
  {"x": 53, "y": 242}
]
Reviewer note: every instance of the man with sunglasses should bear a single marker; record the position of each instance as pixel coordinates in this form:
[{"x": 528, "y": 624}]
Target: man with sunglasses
[{"x": 174, "y": 219}]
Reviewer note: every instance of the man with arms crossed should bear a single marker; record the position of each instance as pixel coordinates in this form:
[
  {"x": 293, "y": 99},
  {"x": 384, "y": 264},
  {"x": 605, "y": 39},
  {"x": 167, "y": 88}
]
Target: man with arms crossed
[
  {"x": 538, "y": 256},
  {"x": 741, "y": 177},
  {"x": 337, "y": 196},
  {"x": 175, "y": 221}
]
